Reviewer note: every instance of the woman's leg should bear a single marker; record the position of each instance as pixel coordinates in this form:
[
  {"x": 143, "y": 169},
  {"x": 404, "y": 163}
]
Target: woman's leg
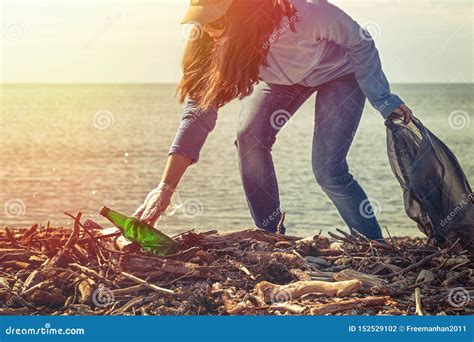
[
  {"x": 339, "y": 106},
  {"x": 263, "y": 114}
]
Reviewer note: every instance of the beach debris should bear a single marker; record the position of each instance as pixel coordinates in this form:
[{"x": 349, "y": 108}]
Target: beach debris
[{"x": 88, "y": 270}]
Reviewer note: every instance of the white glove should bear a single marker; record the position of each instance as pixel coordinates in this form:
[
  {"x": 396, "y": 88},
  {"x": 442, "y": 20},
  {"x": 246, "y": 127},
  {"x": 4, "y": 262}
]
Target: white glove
[{"x": 155, "y": 204}]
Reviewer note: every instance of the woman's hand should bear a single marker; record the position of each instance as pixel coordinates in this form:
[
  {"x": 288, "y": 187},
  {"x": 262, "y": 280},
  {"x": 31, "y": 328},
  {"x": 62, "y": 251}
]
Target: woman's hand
[
  {"x": 403, "y": 112},
  {"x": 155, "y": 204}
]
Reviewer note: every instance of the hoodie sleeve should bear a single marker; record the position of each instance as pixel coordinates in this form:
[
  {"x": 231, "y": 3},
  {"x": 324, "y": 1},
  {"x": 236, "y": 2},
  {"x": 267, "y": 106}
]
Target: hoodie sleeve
[
  {"x": 335, "y": 25},
  {"x": 195, "y": 126}
]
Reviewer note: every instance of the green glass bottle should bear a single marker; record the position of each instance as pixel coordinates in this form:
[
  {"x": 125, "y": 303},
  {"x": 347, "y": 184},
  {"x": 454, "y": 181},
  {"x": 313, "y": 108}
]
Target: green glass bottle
[{"x": 149, "y": 238}]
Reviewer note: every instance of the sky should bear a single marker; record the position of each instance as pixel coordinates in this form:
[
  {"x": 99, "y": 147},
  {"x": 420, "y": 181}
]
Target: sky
[{"x": 141, "y": 41}]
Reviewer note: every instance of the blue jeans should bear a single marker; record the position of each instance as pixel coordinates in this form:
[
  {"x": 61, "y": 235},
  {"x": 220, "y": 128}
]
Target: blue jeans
[{"x": 339, "y": 106}]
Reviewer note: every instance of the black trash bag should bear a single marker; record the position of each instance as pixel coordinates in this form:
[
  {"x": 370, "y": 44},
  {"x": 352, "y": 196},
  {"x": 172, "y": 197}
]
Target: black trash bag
[{"x": 436, "y": 192}]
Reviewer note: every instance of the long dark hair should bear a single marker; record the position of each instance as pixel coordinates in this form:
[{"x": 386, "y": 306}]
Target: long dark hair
[{"x": 216, "y": 73}]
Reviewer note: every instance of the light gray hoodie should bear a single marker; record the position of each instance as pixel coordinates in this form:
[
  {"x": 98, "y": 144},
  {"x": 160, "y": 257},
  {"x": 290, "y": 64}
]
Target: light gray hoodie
[{"x": 327, "y": 44}]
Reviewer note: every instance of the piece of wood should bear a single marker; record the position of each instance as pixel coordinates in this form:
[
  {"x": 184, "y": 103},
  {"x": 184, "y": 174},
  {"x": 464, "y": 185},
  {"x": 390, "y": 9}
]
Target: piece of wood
[
  {"x": 350, "y": 304},
  {"x": 298, "y": 274},
  {"x": 289, "y": 259},
  {"x": 242, "y": 268},
  {"x": 330, "y": 252},
  {"x": 134, "y": 301},
  {"x": 254, "y": 234},
  {"x": 7, "y": 254},
  {"x": 37, "y": 286},
  {"x": 47, "y": 298},
  {"x": 91, "y": 273},
  {"x": 14, "y": 311},
  {"x": 137, "y": 263},
  {"x": 16, "y": 264},
  {"x": 366, "y": 279},
  {"x": 86, "y": 289},
  {"x": 419, "y": 263},
  {"x": 30, "y": 231},
  {"x": 146, "y": 284},
  {"x": 418, "y": 307},
  {"x": 425, "y": 276},
  {"x": 128, "y": 290},
  {"x": 11, "y": 237},
  {"x": 233, "y": 308},
  {"x": 289, "y": 307},
  {"x": 94, "y": 238},
  {"x": 272, "y": 292},
  {"x": 56, "y": 260}
]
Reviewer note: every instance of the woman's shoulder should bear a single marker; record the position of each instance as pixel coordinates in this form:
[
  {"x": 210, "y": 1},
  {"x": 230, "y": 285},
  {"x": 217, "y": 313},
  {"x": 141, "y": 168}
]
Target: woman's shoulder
[
  {"x": 318, "y": 11},
  {"x": 319, "y": 16}
]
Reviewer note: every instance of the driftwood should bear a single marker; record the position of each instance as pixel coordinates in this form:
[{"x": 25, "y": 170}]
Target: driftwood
[
  {"x": 289, "y": 308},
  {"x": 366, "y": 279},
  {"x": 85, "y": 270},
  {"x": 350, "y": 304},
  {"x": 145, "y": 265},
  {"x": 269, "y": 291},
  {"x": 146, "y": 284},
  {"x": 418, "y": 308}
]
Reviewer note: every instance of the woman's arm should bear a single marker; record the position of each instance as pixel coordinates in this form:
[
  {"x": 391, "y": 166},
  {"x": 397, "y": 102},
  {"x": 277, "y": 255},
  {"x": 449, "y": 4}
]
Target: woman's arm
[
  {"x": 176, "y": 165},
  {"x": 334, "y": 24},
  {"x": 195, "y": 126},
  {"x": 192, "y": 133}
]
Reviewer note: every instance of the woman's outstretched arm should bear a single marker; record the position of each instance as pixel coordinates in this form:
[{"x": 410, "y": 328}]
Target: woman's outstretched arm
[
  {"x": 192, "y": 133},
  {"x": 175, "y": 167}
]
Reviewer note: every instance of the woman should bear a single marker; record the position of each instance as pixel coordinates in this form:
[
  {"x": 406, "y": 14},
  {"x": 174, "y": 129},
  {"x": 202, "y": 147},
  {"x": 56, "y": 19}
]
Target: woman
[{"x": 274, "y": 54}]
